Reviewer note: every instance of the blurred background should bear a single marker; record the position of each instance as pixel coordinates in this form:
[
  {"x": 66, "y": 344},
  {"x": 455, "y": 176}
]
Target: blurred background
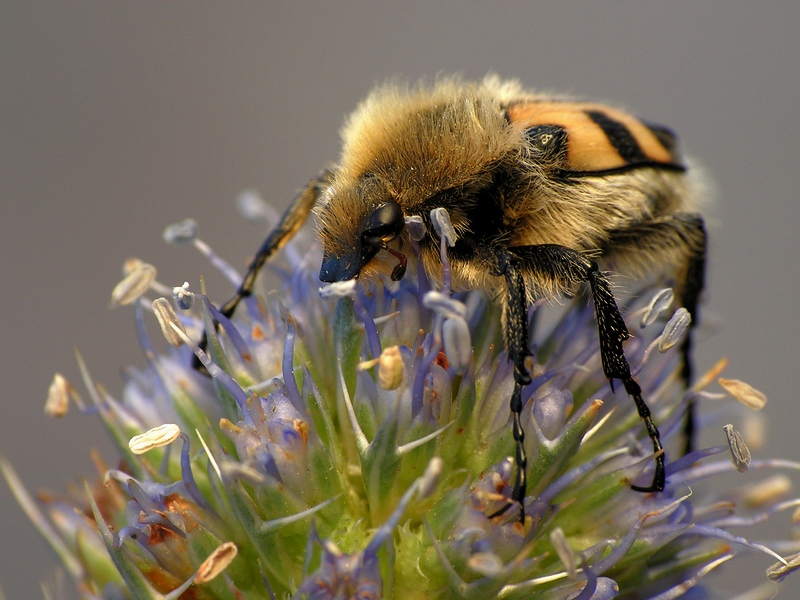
[{"x": 117, "y": 119}]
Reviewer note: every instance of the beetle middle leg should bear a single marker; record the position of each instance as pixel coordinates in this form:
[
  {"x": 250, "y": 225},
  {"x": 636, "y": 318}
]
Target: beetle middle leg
[{"x": 515, "y": 333}]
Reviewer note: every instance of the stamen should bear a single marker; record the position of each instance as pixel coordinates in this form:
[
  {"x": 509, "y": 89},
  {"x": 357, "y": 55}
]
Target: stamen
[
  {"x": 184, "y": 232},
  {"x": 58, "y": 396},
  {"x": 457, "y": 343},
  {"x": 416, "y": 228},
  {"x": 767, "y": 491},
  {"x": 391, "y": 368},
  {"x": 443, "y": 305},
  {"x": 447, "y": 236},
  {"x": 441, "y": 223},
  {"x": 154, "y": 438},
  {"x": 217, "y": 562},
  {"x": 660, "y": 302},
  {"x": 740, "y": 453},
  {"x": 565, "y": 553},
  {"x": 136, "y": 283},
  {"x": 485, "y": 563},
  {"x": 168, "y": 321},
  {"x": 287, "y": 362},
  {"x": 744, "y": 393},
  {"x": 338, "y": 289},
  {"x": 253, "y": 208},
  {"x": 674, "y": 330},
  {"x": 430, "y": 478},
  {"x": 779, "y": 571}
]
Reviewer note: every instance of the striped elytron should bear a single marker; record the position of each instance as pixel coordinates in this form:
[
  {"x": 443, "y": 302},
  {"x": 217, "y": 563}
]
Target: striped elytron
[{"x": 541, "y": 192}]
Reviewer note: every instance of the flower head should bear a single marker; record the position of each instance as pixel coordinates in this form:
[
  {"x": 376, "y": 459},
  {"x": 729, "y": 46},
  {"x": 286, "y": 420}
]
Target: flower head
[{"x": 356, "y": 444}]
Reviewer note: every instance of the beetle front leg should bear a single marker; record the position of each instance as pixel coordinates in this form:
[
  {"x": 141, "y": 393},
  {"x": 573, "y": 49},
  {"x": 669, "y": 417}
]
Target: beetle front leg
[{"x": 291, "y": 221}]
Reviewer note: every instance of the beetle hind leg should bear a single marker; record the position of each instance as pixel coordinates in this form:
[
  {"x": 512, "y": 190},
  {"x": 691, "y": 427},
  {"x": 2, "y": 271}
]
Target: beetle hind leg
[
  {"x": 690, "y": 291},
  {"x": 678, "y": 240}
]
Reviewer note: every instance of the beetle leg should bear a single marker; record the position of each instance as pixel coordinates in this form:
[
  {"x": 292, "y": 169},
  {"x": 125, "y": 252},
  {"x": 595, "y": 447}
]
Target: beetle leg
[
  {"x": 515, "y": 332},
  {"x": 292, "y": 219},
  {"x": 692, "y": 287},
  {"x": 562, "y": 269},
  {"x": 678, "y": 239}
]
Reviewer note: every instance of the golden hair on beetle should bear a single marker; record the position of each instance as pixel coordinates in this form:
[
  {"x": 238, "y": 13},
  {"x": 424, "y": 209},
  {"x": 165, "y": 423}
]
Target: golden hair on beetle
[{"x": 413, "y": 144}]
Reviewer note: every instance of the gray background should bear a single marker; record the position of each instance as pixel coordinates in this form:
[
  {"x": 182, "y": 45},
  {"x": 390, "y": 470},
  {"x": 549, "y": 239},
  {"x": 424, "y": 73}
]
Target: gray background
[{"x": 116, "y": 119}]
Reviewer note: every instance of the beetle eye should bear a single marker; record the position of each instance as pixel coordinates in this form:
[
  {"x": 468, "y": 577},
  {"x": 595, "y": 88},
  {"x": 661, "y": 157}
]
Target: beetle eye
[{"x": 384, "y": 224}]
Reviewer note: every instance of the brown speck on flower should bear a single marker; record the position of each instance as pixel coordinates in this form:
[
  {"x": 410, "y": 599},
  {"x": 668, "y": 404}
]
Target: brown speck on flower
[
  {"x": 191, "y": 519},
  {"x": 165, "y": 583},
  {"x": 158, "y": 534},
  {"x": 441, "y": 360},
  {"x": 301, "y": 427}
]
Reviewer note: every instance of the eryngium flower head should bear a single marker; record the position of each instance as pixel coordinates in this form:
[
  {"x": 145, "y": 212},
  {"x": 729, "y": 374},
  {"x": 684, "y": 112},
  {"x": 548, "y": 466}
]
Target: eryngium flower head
[{"x": 356, "y": 444}]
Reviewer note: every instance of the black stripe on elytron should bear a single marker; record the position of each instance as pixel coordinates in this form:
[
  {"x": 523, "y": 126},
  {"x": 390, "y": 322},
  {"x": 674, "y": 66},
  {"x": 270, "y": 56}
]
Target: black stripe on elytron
[
  {"x": 619, "y": 136},
  {"x": 666, "y": 137}
]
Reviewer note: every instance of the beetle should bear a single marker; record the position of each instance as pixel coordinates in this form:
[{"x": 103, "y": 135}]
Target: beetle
[{"x": 542, "y": 190}]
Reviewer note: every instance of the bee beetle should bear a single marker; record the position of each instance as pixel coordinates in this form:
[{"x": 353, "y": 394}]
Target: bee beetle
[{"x": 540, "y": 189}]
